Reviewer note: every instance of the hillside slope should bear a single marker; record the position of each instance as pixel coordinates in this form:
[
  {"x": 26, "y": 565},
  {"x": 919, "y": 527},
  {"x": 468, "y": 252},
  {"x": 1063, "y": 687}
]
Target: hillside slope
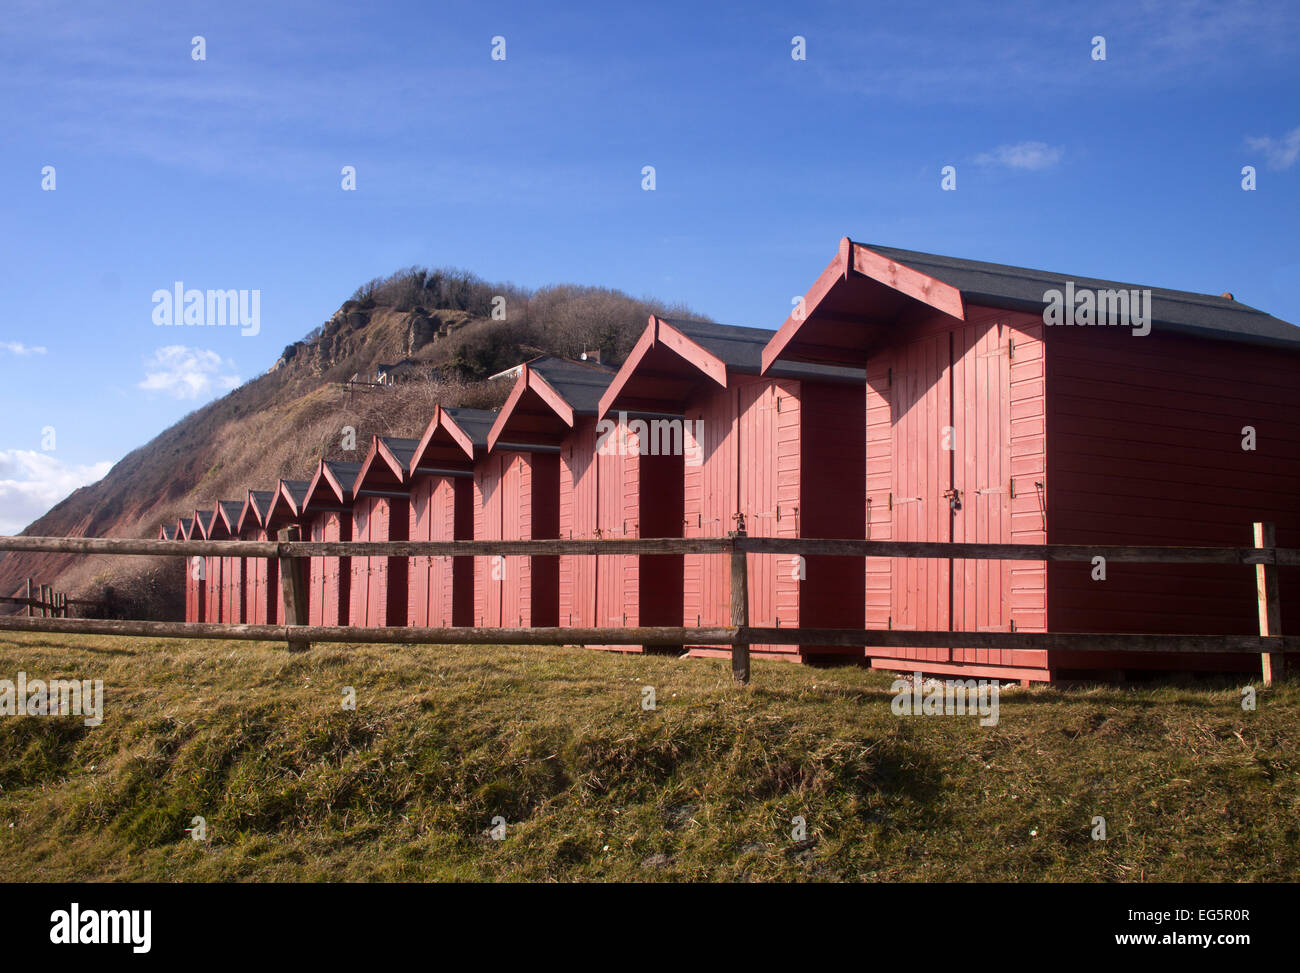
[{"x": 281, "y": 423}]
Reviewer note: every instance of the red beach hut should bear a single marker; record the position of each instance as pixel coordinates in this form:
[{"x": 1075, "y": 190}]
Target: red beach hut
[
  {"x": 326, "y": 513},
  {"x": 286, "y": 510},
  {"x": 607, "y": 489},
  {"x": 1149, "y": 417},
  {"x": 259, "y": 595},
  {"x": 381, "y": 510},
  {"x": 441, "y": 476},
  {"x": 766, "y": 450}
]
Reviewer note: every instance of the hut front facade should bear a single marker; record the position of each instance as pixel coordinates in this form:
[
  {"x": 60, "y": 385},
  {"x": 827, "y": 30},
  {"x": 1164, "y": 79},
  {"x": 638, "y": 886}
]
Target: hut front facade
[
  {"x": 286, "y": 511},
  {"x": 441, "y": 474},
  {"x": 209, "y": 571},
  {"x": 517, "y": 497},
  {"x": 195, "y": 588},
  {"x": 259, "y": 596},
  {"x": 766, "y": 452},
  {"x": 986, "y": 424},
  {"x": 326, "y": 515},
  {"x": 381, "y": 509},
  {"x": 554, "y": 406}
]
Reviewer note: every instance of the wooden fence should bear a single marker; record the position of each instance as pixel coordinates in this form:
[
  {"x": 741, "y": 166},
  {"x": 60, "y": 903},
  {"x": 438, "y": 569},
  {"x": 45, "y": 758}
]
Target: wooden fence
[
  {"x": 1265, "y": 557},
  {"x": 43, "y": 601}
]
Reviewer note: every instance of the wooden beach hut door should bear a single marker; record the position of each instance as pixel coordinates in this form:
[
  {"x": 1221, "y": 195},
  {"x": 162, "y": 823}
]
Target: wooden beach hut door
[
  {"x": 951, "y": 431},
  {"x": 981, "y": 471}
]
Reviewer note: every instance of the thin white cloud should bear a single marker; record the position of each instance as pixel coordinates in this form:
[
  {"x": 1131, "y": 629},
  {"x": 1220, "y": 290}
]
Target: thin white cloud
[
  {"x": 1044, "y": 50},
  {"x": 18, "y": 348},
  {"x": 1278, "y": 153},
  {"x": 188, "y": 373},
  {"x": 1022, "y": 155},
  {"x": 32, "y": 482}
]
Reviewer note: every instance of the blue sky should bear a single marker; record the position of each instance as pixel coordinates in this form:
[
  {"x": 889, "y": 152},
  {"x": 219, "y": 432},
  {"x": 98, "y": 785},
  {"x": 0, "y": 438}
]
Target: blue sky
[{"x": 225, "y": 173}]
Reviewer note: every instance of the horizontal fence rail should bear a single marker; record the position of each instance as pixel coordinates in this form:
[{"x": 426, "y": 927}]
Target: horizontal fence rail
[
  {"x": 666, "y": 545},
  {"x": 393, "y": 635},
  {"x": 664, "y": 635},
  {"x": 1264, "y": 556}
]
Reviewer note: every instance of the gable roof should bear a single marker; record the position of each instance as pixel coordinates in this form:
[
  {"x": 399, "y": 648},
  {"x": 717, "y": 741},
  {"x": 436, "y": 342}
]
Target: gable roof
[
  {"x": 452, "y": 439},
  {"x": 675, "y": 357},
  {"x": 184, "y": 527},
  {"x": 286, "y": 504},
  {"x": 865, "y": 287},
  {"x": 225, "y": 518},
  {"x": 385, "y": 464},
  {"x": 256, "y": 508},
  {"x": 548, "y": 396},
  {"x": 201, "y": 520},
  {"x": 331, "y": 486},
  {"x": 167, "y": 533}
]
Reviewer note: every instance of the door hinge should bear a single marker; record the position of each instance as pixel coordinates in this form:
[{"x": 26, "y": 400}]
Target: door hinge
[
  {"x": 1011, "y": 487},
  {"x": 778, "y": 403},
  {"x": 1011, "y": 348}
]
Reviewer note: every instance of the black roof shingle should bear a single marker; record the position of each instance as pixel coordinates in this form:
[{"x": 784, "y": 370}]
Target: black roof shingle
[{"x": 1001, "y": 285}]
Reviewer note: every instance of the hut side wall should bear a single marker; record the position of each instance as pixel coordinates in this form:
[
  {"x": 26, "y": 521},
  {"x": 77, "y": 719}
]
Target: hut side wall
[
  {"x": 831, "y": 505},
  {"x": 654, "y": 505},
  {"x": 1145, "y": 446},
  {"x": 462, "y": 610}
]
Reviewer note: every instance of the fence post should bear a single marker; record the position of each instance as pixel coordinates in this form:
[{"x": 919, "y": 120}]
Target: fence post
[
  {"x": 1270, "y": 604},
  {"x": 30, "y": 611},
  {"x": 739, "y": 606},
  {"x": 293, "y": 587},
  {"x": 46, "y": 591}
]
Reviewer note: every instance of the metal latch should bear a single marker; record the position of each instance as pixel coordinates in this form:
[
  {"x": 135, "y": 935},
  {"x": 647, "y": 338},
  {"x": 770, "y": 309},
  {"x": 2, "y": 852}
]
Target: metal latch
[{"x": 954, "y": 497}]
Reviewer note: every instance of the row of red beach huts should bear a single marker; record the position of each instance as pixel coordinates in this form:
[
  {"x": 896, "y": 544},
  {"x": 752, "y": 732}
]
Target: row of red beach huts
[{"x": 909, "y": 396}]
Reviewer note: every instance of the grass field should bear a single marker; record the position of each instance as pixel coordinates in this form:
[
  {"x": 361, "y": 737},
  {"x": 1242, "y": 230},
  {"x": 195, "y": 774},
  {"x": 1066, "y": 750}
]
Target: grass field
[{"x": 594, "y": 787}]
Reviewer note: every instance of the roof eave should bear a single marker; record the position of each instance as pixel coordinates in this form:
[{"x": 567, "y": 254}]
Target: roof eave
[
  {"x": 854, "y": 258},
  {"x": 660, "y": 332}
]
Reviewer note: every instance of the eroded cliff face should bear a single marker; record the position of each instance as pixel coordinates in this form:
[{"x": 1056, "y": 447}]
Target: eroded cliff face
[
  {"x": 276, "y": 425},
  {"x": 283, "y": 422}
]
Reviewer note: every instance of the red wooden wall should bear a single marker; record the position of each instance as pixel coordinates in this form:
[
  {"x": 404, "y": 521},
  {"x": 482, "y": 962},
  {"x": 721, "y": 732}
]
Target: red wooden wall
[
  {"x": 749, "y": 459},
  {"x": 379, "y": 584},
  {"x": 441, "y": 588},
  {"x": 329, "y": 584},
  {"x": 1144, "y": 439},
  {"x": 517, "y": 497},
  {"x": 259, "y": 598},
  {"x": 953, "y": 405},
  {"x": 611, "y": 493}
]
